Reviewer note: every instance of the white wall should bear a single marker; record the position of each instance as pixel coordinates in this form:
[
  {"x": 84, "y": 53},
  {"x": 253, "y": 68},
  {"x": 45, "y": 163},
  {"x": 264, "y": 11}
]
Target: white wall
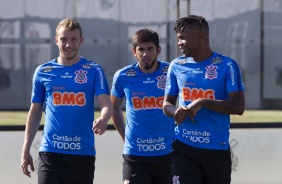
[
  {"x": 108, "y": 158},
  {"x": 257, "y": 157}
]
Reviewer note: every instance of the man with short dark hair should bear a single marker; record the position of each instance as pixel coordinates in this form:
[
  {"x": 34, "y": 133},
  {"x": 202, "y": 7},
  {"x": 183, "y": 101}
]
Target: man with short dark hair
[
  {"x": 147, "y": 133},
  {"x": 209, "y": 88}
]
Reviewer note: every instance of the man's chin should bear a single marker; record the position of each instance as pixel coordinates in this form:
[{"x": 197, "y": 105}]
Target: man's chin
[
  {"x": 186, "y": 54},
  {"x": 148, "y": 67},
  {"x": 69, "y": 58}
]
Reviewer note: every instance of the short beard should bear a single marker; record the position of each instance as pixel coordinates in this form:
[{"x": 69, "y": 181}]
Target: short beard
[{"x": 148, "y": 67}]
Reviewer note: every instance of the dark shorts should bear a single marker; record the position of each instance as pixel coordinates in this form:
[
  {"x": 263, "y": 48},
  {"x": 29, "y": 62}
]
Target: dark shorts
[
  {"x": 55, "y": 168},
  {"x": 192, "y": 165},
  {"x": 147, "y": 170}
]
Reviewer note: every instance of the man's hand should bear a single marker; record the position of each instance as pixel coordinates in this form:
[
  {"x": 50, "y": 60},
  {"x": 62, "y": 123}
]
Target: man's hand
[
  {"x": 187, "y": 111},
  {"x": 181, "y": 114},
  {"x": 193, "y": 108},
  {"x": 99, "y": 126},
  {"x": 26, "y": 160}
]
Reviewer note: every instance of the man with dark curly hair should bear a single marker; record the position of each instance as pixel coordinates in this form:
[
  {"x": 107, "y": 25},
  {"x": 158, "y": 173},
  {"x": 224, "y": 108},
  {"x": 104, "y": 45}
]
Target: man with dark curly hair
[{"x": 208, "y": 87}]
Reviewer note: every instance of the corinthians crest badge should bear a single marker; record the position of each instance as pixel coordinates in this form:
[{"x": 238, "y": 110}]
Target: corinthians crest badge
[
  {"x": 80, "y": 76},
  {"x": 161, "y": 81},
  {"x": 211, "y": 72}
]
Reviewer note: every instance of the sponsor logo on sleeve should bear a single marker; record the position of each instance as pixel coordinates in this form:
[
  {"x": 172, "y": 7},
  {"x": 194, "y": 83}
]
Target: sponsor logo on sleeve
[
  {"x": 231, "y": 73},
  {"x": 216, "y": 60},
  {"x": 87, "y": 65},
  {"x": 101, "y": 76},
  {"x": 182, "y": 61},
  {"x": 131, "y": 73},
  {"x": 47, "y": 68},
  {"x": 164, "y": 69}
]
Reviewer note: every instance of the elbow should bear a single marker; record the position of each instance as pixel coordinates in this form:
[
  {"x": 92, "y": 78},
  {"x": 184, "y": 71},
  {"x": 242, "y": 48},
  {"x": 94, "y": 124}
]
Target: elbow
[
  {"x": 241, "y": 110},
  {"x": 169, "y": 110},
  {"x": 164, "y": 110}
]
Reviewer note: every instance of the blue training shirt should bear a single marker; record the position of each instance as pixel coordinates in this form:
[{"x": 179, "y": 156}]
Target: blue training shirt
[
  {"x": 212, "y": 78},
  {"x": 68, "y": 93},
  {"x": 148, "y": 132}
]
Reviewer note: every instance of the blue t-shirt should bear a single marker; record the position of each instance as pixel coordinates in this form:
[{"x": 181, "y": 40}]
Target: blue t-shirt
[
  {"x": 212, "y": 78},
  {"x": 68, "y": 93},
  {"x": 148, "y": 132}
]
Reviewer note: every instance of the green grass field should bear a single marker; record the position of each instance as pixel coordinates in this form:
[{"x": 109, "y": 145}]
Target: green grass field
[{"x": 249, "y": 116}]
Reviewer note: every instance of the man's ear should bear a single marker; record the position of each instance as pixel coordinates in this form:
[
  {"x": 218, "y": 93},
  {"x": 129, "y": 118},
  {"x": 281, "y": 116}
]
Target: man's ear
[
  {"x": 81, "y": 40},
  {"x": 134, "y": 51},
  {"x": 159, "y": 50},
  {"x": 203, "y": 34},
  {"x": 56, "y": 40}
]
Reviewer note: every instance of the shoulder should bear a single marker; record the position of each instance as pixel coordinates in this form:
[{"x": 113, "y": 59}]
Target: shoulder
[
  {"x": 129, "y": 70},
  {"x": 181, "y": 61},
  {"x": 47, "y": 66},
  {"x": 163, "y": 66},
  {"x": 224, "y": 63},
  {"x": 222, "y": 59},
  {"x": 88, "y": 64},
  {"x": 165, "y": 63}
]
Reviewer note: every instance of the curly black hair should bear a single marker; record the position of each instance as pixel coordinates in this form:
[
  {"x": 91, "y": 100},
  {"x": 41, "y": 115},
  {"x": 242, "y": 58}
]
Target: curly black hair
[{"x": 190, "y": 20}]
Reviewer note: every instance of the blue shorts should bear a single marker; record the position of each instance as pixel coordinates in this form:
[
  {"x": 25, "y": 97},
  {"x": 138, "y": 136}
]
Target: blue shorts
[
  {"x": 200, "y": 166},
  {"x": 147, "y": 170},
  {"x": 55, "y": 168}
]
